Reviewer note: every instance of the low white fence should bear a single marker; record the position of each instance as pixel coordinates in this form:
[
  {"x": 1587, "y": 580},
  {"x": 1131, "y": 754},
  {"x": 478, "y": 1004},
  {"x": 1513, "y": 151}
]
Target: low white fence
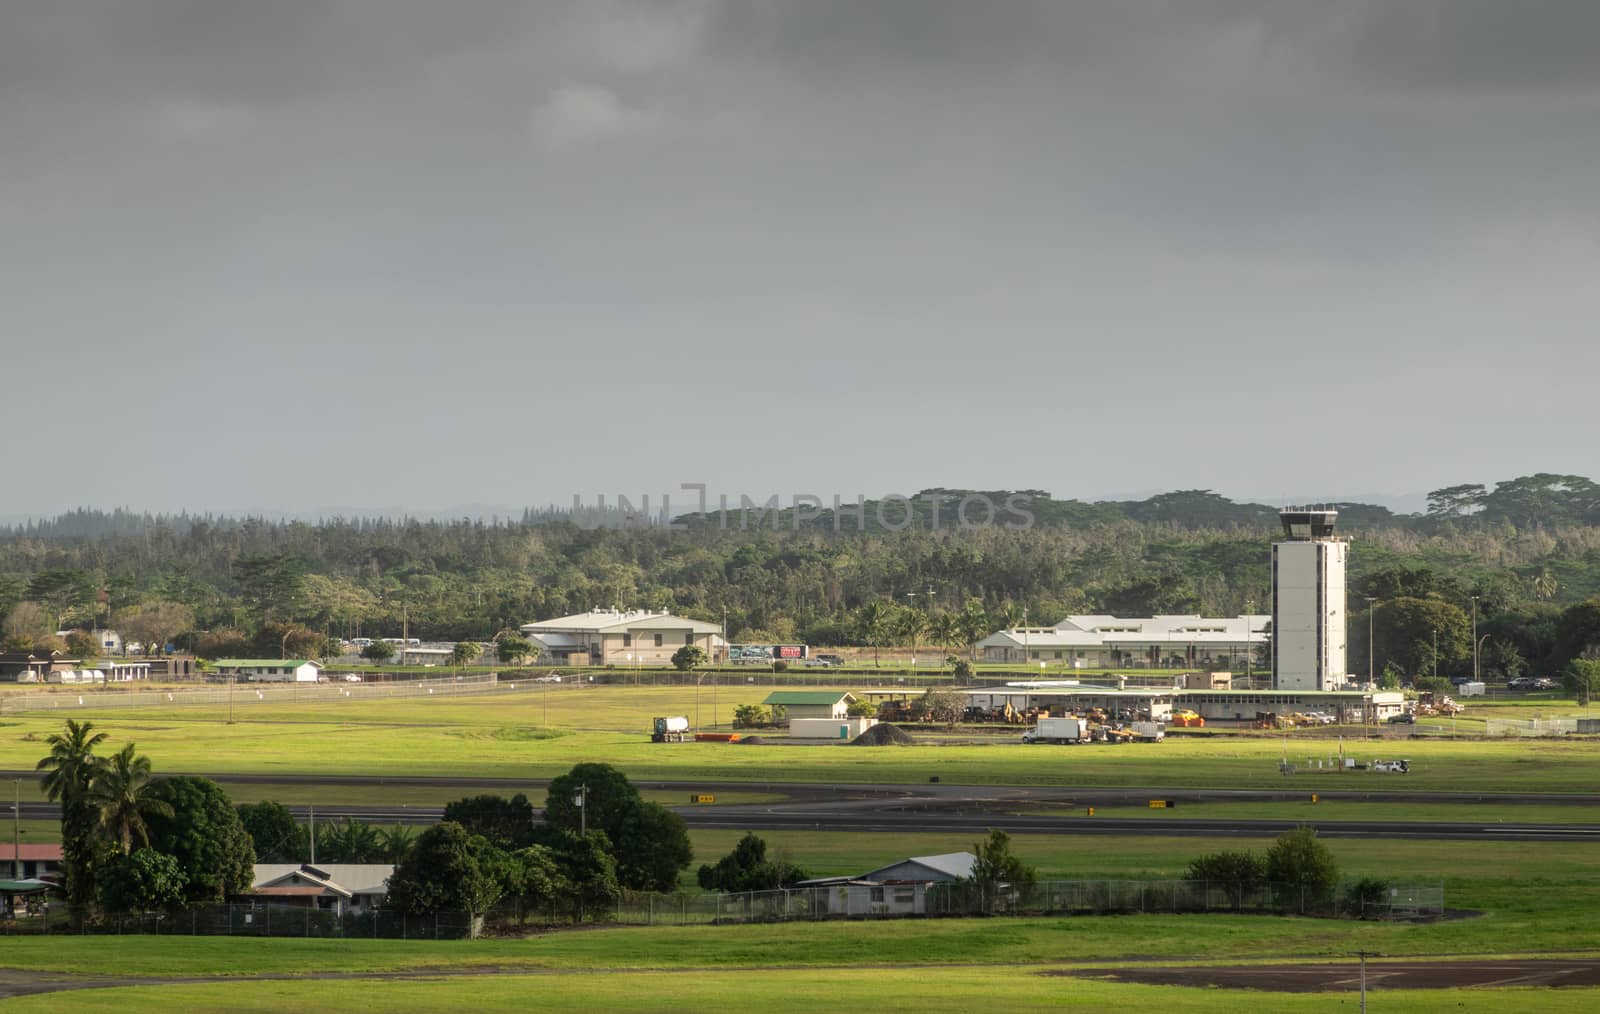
[
  {"x": 244, "y": 695},
  {"x": 1533, "y": 726}
]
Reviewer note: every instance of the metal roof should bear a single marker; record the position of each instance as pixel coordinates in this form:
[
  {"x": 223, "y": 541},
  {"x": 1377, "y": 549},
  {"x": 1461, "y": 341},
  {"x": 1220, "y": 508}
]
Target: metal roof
[
  {"x": 618, "y": 621},
  {"x": 820, "y": 697},
  {"x": 265, "y": 663}
]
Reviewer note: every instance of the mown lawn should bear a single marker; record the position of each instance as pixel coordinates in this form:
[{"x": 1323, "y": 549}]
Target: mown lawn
[
  {"x": 952, "y": 989},
  {"x": 509, "y": 736}
]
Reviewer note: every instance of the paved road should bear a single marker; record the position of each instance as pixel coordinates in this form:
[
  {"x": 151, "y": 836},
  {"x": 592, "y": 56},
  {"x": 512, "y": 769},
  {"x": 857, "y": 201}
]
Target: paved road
[{"x": 969, "y": 809}]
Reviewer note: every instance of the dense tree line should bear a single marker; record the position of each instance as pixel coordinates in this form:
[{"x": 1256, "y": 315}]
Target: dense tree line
[{"x": 1528, "y": 548}]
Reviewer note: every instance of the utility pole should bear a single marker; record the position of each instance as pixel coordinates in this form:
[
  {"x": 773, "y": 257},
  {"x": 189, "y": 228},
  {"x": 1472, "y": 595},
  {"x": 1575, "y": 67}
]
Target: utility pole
[
  {"x": 16, "y": 834},
  {"x": 312, "y": 834},
  {"x": 911, "y": 604},
  {"x": 581, "y": 797}
]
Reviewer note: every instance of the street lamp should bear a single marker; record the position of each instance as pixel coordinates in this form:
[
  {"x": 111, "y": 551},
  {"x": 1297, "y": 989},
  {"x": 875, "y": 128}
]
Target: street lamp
[
  {"x": 911, "y": 604},
  {"x": 1474, "y": 638},
  {"x": 1372, "y": 677}
]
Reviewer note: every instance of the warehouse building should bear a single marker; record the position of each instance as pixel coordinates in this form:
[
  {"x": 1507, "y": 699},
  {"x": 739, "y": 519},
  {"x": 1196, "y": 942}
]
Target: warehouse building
[
  {"x": 635, "y": 637},
  {"x": 1099, "y": 641}
]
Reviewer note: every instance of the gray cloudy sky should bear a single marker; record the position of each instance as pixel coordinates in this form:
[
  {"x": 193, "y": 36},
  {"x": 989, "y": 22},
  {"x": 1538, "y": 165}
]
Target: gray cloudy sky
[{"x": 291, "y": 256}]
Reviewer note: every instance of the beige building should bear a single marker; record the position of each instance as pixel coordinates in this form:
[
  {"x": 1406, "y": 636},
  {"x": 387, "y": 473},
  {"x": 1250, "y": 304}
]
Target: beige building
[{"x": 616, "y": 637}]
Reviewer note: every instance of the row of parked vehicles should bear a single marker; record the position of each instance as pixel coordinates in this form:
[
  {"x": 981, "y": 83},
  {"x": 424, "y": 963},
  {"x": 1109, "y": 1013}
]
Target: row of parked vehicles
[{"x": 1531, "y": 683}]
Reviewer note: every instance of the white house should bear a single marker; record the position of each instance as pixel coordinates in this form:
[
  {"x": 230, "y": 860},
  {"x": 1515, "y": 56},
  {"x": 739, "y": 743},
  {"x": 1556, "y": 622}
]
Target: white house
[
  {"x": 617, "y": 637},
  {"x": 343, "y": 888},
  {"x": 901, "y": 888},
  {"x": 270, "y": 670},
  {"x": 830, "y": 704}
]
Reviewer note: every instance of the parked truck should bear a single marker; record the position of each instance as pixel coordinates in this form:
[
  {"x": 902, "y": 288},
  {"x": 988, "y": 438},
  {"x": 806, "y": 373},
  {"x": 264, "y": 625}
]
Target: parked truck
[
  {"x": 669, "y": 730},
  {"x": 1149, "y": 732},
  {"x": 1058, "y": 730}
]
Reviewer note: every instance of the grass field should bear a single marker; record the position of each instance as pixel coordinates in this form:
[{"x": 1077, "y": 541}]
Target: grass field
[
  {"x": 954, "y": 989},
  {"x": 538, "y": 734}
]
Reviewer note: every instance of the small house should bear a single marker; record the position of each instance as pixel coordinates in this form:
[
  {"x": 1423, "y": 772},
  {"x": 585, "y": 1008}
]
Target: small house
[
  {"x": 342, "y": 888},
  {"x": 833, "y": 704},
  {"x": 270, "y": 670}
]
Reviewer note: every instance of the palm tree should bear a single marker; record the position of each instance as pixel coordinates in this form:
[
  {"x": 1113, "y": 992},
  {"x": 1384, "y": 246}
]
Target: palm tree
[
  {"x": 394, "y": 846},
  {"x": 943, "y": 628},
  {"x": 872, "y": 625},
  {"x": 69, "y": 768},
  {"x": 121, "y": 792},
  {"x": 911, "y": 623},
  {"x": 70, "y": 765},
  {"x": 973, "y": 623}
]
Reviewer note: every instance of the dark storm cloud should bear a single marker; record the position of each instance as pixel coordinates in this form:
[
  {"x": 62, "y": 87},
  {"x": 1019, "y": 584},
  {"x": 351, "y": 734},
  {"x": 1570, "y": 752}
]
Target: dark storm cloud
[{"x": 810, "y": 233}]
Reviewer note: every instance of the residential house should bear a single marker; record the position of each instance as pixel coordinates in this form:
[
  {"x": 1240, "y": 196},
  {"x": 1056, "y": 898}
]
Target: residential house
[
  {"x": 342, "y": 888},
  {"x": 901, "y": 888}
]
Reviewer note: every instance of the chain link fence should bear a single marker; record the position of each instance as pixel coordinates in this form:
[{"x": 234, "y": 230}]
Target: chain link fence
[{"x": 835, "y": 901}]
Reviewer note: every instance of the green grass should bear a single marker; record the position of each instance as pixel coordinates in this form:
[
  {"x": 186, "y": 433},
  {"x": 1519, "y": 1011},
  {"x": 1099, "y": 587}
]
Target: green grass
[
  {"x": 952, "y": 989},
  {"x": 504, "y": 736}
]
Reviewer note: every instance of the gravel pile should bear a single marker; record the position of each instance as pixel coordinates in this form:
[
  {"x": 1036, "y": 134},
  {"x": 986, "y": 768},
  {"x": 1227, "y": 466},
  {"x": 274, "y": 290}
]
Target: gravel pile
[{"x": 883, "y": 735}]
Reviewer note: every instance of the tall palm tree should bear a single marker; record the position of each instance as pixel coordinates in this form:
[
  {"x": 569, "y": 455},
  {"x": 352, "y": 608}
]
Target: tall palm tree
[
  {"x": 912, "y": 623},
  {"x": 872, "y": 625},
  {"x": 394, "y": 846},
  {"x": 944, "y": 630},
  {"x": 973, "y": 625},
  {"x": 70, "y": 765},
  {"x": 69, "y": 769},
  {"x": 121, "y": 793}
]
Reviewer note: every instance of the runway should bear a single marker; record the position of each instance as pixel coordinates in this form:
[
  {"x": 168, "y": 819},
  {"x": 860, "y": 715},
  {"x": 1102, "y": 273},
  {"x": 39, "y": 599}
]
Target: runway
[{"x": 960, "y": 808}]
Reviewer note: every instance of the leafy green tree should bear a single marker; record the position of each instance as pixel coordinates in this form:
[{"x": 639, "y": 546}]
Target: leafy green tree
[
  {"x": 287, "y": 640},
  {"x": 1301, "y": 869},
  {"x": 121, "y": 794},
  {"x": 444, "y": 874},
  {"x": 940, "y": 705},
  {"x": 1436, "y": 685},
  {"x": 1391, "y": 677},
  {"x": 68, "y": 774},
  {"x": 82, "y": 644},
  {"x": 1577, "y": 632},
  {"x": 861, "y": 708},
  {"x": 1366, "y": 898},
  {"x": 378, "y": 652},
  {"x": 649, "y": 842},
  {"x": 142, "y": 881},
  {"x": 998, "y": 867},
  {"x": 464, "y": 652},
  {"x": 205, "y": 836},
  {"x": 274, "y": 833},
  {"x": 688, "y": 657},
  {"x": 154, "y": 623},
  {"x": 652, "y": 847},
  {"x": 25, "y": 622},
  {"x": 274, "y": 583},
  {"x": 1502, "y": 659},
  {"x": 1412, "y": 622},
  {"x": 533, "y": 878},
  {"x": 225, "y": 643},
  {"x": 1581, "y": 679},
  {"x": 750, "y": 716},
  {"x": 1238, "y": 873},
  {"x": 972, "y": 625},
  {"x": 514, "y": 650},
  {"x": 62, "y": 592},
  {"x": 506, "y": 823},
  {"x": 747, "y": 868},
  {"x": 588, "y": 887}
]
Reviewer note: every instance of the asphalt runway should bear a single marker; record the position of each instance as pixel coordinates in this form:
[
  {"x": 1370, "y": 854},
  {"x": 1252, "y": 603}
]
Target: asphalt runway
[
  {"x": 961, "y": 808},
  {"x": 1343, "y": 978}
]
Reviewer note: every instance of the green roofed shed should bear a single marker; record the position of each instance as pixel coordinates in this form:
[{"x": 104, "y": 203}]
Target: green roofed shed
[{"x": 811, "y": 703}]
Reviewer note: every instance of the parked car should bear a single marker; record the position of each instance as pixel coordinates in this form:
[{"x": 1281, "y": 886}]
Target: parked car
[
  {"x": 1544, "y": 683},
  {"x": 351, "y": 677},
  {"x": 1522, "y": 683},
  {"x": 1404, "y": 718}
]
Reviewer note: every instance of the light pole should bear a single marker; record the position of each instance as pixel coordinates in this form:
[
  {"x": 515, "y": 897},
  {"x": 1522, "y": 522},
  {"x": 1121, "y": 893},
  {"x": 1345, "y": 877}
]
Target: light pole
[
  {"x": 581, "y": 797},
  {"x": 1474, "y": 638},
  {"x": 1435, "y": 652},
  {"x": 1027, "y": 650},
  {"x": 911, "y": 604},
  {"x": 1372, "y": 677},
  {"x": 1249, "y": 648},
  {"x": 16, "y": 834}
]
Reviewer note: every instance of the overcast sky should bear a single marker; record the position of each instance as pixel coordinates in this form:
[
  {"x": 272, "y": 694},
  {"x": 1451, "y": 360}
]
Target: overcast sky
[{"x": 295, "y": 256}]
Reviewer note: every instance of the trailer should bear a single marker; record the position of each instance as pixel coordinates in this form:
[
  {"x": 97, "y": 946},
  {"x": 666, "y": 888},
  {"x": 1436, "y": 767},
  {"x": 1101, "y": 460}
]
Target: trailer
[
  {"x": 1149, "y": 732},
  {"x": 1058, "y": 730}
]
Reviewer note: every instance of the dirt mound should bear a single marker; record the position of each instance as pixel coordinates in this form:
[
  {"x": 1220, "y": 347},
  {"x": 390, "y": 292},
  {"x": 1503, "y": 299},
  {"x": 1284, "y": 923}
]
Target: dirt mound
[{"x": 883, "y": 735}]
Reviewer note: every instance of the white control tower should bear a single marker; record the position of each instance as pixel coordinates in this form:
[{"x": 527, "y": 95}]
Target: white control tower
[{"x": 1308, "y": 617}]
